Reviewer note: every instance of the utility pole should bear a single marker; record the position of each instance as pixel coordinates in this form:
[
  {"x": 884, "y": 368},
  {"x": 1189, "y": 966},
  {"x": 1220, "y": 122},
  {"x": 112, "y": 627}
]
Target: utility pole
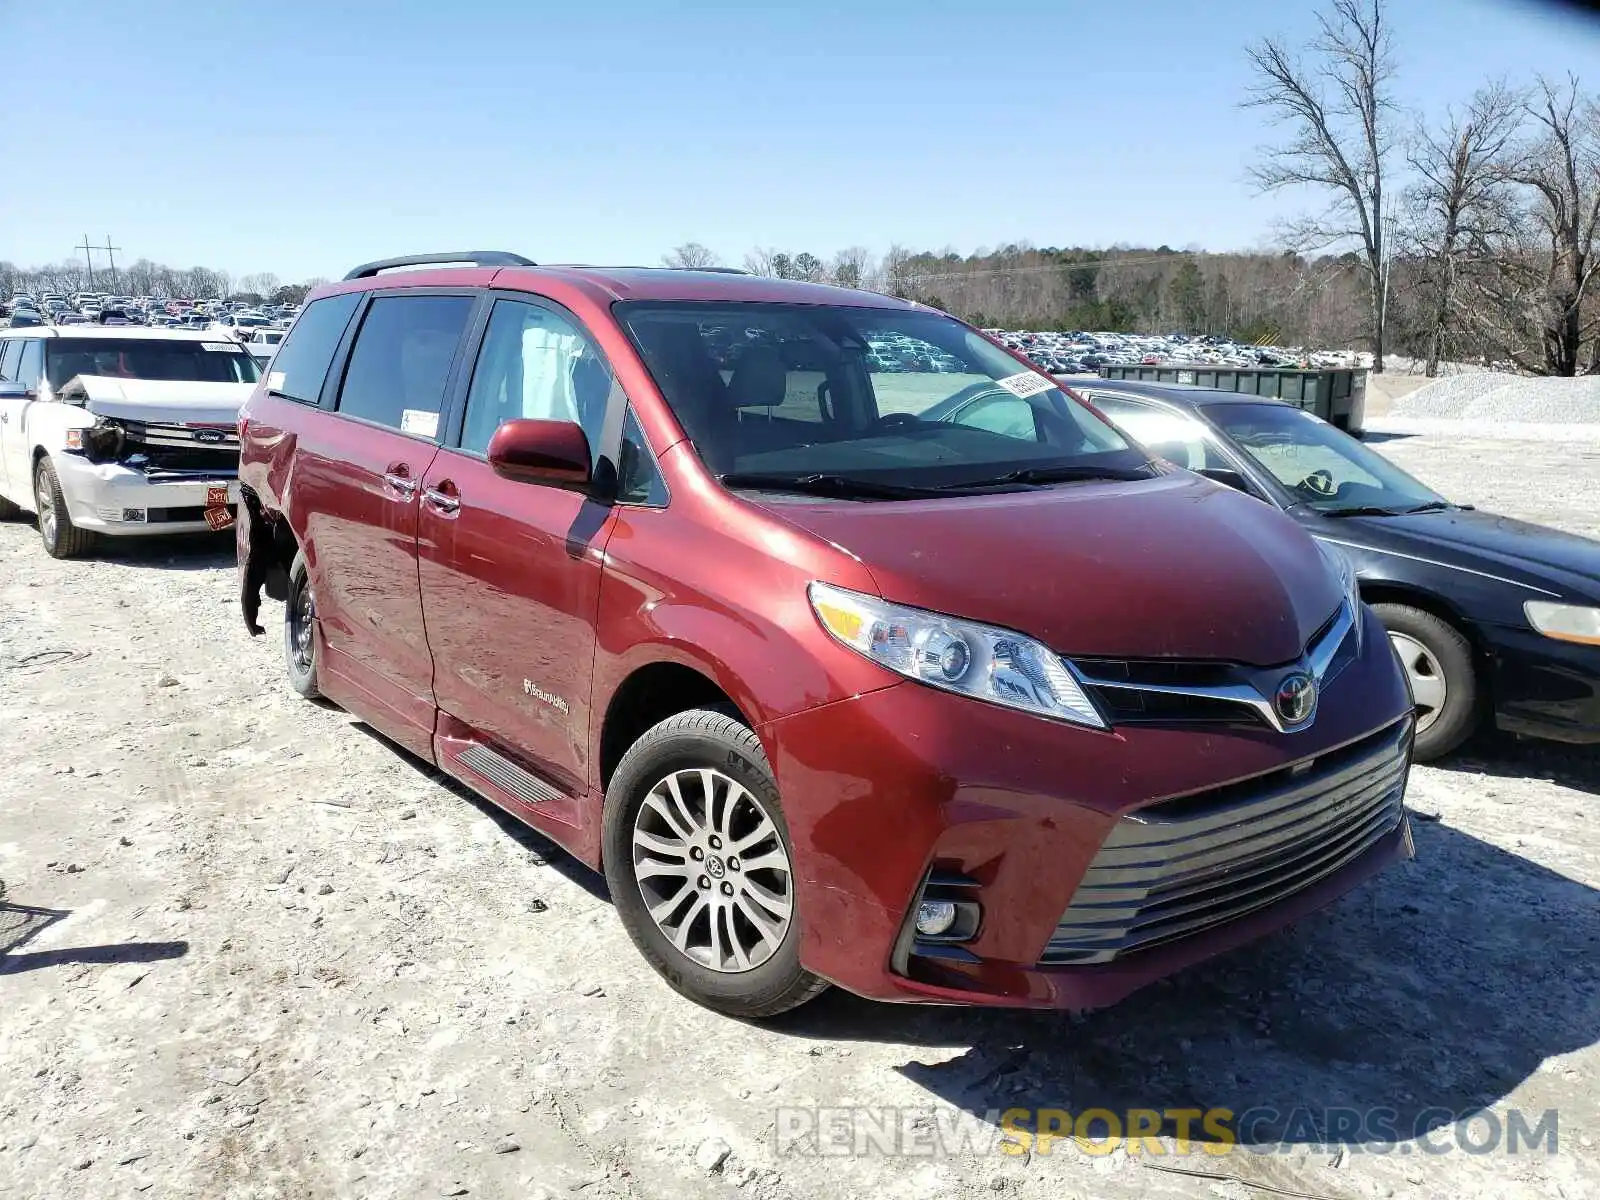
[
  {"x": 88, "y": 257},
  {"x": 111, "y": 254}
]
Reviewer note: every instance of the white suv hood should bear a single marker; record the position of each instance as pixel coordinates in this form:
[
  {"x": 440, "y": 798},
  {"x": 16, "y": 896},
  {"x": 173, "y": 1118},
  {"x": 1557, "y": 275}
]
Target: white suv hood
[{"x": 178, "y": 402}]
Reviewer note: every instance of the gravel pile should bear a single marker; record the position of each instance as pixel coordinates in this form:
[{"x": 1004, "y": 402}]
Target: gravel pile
[{"x": 1491, "y": 396}]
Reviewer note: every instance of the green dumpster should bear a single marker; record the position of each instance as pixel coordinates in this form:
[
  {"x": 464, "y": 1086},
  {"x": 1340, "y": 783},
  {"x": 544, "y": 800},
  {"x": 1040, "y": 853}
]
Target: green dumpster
[{"x": 1337, "y": 396}]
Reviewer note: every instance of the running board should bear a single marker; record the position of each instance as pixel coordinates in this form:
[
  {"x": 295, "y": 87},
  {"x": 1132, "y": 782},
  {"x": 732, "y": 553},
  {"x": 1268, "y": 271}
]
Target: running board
[{"x": 507, "y": 775}]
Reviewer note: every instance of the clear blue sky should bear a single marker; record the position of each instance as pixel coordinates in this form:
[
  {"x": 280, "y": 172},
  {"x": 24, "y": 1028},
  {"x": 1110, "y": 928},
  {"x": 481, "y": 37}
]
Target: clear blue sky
[{"x": 302, "y": 136}]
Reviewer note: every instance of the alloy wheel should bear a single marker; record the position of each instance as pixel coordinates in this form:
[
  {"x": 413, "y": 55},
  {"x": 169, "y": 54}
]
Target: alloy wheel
[
  {"x": 45, "y": 503},
  {"x": 1425, "y": 675},
  {"x": 712, "y": 870}
]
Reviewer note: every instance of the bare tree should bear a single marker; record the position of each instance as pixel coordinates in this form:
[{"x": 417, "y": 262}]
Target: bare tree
[
  {"x": 852, "y": 267},
  {"x": 1461, "y": 199},
  {"x": 691, "y": 256},
  {"x": 762, "y": 261},
  {"x": 1339, "y": 110}
]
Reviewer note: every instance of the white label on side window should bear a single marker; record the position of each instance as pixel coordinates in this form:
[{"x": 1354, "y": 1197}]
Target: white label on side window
[
  {"x": 275, "y": 380},
  {"x": 1026, "y": 384},
  {"x": 224, "y": 347},
  {"x": 415, "y": 420}
]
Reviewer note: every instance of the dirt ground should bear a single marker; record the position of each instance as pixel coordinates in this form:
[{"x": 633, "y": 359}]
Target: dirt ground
[{"x": 255, "y": 951}]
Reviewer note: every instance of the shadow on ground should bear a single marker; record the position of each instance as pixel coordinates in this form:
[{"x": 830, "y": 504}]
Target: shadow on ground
[
  {"x": 21, "y": 923},
  {"x": 1505, "y": 757}
]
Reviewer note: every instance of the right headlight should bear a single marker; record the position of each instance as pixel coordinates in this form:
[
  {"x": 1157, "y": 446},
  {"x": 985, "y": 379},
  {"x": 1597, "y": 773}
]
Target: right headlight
[
  {"x": 959, "y": 656},
  {"x": 1565, "y": 622}
]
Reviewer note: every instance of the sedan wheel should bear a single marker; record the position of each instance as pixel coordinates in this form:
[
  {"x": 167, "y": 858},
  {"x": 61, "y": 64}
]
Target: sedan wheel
[
  {"x": 1426, "y": 677},
  {"x": 713, "y": 871}
]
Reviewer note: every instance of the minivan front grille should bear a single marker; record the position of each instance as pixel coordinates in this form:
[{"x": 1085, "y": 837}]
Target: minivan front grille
[
  {"x": 1185, "y": 865},
  {"x": 1178, "y": 691}
]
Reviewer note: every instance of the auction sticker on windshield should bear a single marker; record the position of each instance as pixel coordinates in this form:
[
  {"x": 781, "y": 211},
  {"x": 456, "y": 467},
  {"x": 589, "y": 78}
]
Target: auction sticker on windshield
[
  {"x": 224, "y": 347},
  {"x": 1025, "y": 384}
]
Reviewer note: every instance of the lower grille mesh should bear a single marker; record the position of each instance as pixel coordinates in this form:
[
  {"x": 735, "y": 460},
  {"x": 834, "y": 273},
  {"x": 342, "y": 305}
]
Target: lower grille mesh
[{"x": 1175, "y": 869}]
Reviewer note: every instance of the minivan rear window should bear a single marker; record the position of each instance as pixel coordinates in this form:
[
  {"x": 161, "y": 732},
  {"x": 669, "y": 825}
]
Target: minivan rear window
[
  {"x": 302, "y": 360},
  {"x": 147, "y": 358}
]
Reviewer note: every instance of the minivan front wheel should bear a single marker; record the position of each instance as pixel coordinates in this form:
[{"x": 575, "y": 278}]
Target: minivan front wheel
[
  {"x": 701, "y": 869},
  {"x": 1437, "y": 660}
]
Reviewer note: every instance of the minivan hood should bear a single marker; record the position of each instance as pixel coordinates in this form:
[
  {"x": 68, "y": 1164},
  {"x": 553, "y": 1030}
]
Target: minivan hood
[
  {"x": 175, "y": 401},
  {"x": 1176, "y": 566}
]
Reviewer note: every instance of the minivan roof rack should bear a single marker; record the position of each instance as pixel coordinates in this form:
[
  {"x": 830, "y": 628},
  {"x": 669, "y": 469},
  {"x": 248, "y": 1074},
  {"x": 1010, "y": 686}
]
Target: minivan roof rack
[{"x": 478, "y": 258}]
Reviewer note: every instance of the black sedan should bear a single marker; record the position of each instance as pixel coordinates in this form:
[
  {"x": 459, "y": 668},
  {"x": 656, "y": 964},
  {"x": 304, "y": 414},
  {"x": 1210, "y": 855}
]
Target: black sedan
[{"x": 1490, "y": 616}]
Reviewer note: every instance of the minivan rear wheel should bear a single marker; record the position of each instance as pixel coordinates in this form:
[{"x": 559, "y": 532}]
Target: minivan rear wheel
[
  {"x": 300, "y": 630},
  {"x": 701, "y": 868},
  {"x": 1437, "y": 660}
]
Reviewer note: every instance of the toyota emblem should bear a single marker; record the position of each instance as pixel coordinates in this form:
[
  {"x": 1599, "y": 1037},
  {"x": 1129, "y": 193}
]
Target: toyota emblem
[{"x": 1296, "y": 698}]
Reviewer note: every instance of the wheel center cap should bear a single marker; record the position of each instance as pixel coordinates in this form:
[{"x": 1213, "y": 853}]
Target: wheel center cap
[{"x": 714, "y": 867}]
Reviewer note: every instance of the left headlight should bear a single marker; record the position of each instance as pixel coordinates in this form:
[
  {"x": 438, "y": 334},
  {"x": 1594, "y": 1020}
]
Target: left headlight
[
  {"x": 959, "y": 656},
  {"x": 1564, "y": 622}
]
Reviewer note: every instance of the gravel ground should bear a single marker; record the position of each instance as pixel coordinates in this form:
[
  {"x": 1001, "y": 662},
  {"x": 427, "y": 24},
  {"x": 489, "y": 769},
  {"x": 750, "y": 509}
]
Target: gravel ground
[
  {"x": 1493, "y": 396},
  {"x": 257, "y": 952}
]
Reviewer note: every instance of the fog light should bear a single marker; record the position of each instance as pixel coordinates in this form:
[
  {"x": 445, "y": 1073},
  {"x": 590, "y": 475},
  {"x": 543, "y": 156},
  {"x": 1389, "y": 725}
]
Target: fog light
[{"x": 935, "y": 917}]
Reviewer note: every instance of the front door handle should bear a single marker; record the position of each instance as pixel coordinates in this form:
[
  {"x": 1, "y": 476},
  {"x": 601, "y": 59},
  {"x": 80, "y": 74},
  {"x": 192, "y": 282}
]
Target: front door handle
[
  {"x": 443, "y": 501},
  {"x": 403, "y": 484}
]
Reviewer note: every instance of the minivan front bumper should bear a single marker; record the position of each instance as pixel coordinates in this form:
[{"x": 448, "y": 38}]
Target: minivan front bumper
[{"x": 910, "y": 787}]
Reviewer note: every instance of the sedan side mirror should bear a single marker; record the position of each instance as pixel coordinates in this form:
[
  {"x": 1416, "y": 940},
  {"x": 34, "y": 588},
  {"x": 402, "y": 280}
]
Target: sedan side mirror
[
  {"x": 554, "y": 453},
  {"x": 1228, "y": 476}
]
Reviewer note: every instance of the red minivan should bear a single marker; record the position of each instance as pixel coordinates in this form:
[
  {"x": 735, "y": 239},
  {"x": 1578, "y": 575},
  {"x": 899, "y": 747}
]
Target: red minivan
[{"x": 850, "y": 647}]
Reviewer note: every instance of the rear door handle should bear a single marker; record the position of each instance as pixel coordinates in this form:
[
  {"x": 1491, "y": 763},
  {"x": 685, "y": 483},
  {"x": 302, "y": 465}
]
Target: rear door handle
[
  {"x": 442, "y": 501},
  {"x": 403, "y": 484}
]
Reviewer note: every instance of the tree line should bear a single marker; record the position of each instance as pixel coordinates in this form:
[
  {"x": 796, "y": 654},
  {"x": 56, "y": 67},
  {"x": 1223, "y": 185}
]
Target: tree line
[{"x": 145, "y": 278}]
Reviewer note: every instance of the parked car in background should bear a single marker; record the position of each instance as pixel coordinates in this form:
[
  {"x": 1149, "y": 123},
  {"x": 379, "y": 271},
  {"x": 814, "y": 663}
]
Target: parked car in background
[
  {"x": 1493, "y": 619},
  {"x": 263, "y": 343},
  {"x": 108, "y": 431},
  {"x": 986, "y": 711}
]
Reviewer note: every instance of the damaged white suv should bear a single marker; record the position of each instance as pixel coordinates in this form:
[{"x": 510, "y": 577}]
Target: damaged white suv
[{"x": 120, "y": 430}]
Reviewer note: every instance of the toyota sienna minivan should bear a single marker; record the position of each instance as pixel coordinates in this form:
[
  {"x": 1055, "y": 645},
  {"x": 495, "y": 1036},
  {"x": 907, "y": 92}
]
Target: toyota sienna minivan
[{"x": 677, "y": 568}]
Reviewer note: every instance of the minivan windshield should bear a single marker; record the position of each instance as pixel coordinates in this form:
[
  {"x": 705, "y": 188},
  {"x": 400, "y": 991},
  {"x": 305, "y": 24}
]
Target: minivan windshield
[
  {"x": 148, "y": 358},
  {"x": 869, "y": 403},
  {"x": 1320, "y": 466}
]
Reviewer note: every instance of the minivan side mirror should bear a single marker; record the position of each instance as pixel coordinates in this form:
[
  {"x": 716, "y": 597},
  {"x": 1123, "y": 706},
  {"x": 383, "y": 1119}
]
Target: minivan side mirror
[
  {"x": 15, "y": 390},
  {"x": 554, "y": 453},
  {"x": 1228, "y": 476}
]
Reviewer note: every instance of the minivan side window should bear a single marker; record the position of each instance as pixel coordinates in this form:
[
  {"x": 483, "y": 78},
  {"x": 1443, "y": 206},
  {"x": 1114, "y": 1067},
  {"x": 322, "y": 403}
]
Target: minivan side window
[
  {"x": 302, "y": 361},
  {"x": 401, "y": 361},
  {"x": 640, "y": 479},
  {"x": 32, "y": 365},
  {"x": 535, "y": 363}
]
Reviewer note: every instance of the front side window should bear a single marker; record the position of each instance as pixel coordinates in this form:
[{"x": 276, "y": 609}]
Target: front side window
[
  {"x": 31, "y": 366},
  {"x": 894, "y": 398},
  {"x": 401, "y": 361},
  {"x": 1318, "y": 465},
  {"x": 302, "y": 361},
  {"x": 1174, "y": 436},
  {"x": 535, "y": 364},
  {"x": 66, "y": 358},
  {"x": 639, "y": 479},
  {"x": 10, "y": 355}
]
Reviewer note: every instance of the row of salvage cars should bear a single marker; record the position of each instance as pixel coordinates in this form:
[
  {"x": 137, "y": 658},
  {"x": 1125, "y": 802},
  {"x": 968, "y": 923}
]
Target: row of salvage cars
[{"x": 962, "y": 685}]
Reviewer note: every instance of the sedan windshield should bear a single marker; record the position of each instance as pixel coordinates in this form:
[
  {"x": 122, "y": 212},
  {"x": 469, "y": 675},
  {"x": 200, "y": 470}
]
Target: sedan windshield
[
  {"x": 148, "y": 358},
  {"x": 851, "y": 400},
  {"x": 1319, "y": 465}
]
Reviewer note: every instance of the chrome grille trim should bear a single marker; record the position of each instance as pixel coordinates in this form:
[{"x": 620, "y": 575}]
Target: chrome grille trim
[
  {"x": 187, "y": 436},
  {"x": 1330, "y": 650},
  {"x": 1178, "y": 868}
]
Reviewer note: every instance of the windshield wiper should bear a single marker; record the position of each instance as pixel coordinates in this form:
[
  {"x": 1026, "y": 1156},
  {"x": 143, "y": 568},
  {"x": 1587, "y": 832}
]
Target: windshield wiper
[
  {"x": 840, "y": 486},
  {"x": 1374, "y": 510},
  {"x": 1057, "y": 475}
]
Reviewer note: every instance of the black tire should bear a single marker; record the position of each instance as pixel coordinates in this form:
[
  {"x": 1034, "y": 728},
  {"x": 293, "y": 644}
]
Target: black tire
[
  {"x": 61, "y": 538},
  {"x": 299, "y": 631},
  {"x": 703, "y": 738},
  {"x": 1457, "y": 718}
]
